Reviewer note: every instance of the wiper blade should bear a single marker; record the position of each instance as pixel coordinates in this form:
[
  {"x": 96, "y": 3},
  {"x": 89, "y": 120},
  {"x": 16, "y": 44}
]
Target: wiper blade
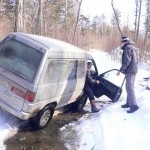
[{"x": 18, "y": 73}]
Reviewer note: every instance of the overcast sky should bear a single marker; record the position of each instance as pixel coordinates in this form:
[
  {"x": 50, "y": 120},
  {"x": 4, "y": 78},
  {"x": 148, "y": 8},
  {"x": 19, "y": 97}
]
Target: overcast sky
[{"x": 99, "y": 7}]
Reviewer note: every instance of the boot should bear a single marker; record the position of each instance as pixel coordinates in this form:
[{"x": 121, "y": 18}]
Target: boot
[
  {"x": 133, "y": 109},
  {"x": 82, "y": 111},
  {"x": 93, "y": 106},
  {"x": 125, "y": 105}
]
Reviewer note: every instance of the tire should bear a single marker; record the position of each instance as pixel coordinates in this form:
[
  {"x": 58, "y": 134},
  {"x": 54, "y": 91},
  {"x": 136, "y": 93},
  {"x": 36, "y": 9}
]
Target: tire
[
  {"x": 77, "y": 105},
  {"x": 43, "y": 118}
]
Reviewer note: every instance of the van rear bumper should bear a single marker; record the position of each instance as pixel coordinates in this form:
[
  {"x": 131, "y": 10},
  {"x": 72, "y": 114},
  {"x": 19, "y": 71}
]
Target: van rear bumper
[{"x": 19, "y": 114}]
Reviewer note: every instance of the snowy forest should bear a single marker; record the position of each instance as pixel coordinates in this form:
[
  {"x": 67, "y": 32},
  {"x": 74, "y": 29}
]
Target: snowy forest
[{"x": 63, "y": 19}]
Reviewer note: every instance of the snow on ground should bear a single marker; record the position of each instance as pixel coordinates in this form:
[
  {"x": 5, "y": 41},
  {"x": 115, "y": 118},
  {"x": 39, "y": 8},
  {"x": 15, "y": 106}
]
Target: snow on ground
[
  {"x": 6, "y": 131},
  {"x": 113, "y": 128},
  {"x": 5, "y": 134}
]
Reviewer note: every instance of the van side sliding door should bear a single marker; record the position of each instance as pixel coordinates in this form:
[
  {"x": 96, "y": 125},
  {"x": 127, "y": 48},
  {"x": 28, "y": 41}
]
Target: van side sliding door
[{"x": 74, "y": 83}]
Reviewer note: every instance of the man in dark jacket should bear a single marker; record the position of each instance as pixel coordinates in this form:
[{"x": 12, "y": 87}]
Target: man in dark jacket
[
  {"x": 129, "y": 68},
  {"x": 88, "y": 87}
]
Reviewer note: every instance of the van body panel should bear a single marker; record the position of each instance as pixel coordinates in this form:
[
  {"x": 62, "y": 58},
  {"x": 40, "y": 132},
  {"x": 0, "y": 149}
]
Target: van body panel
[
  {"x": 66, "y": 53},
  {"x": 70, "y": 91},
  {"x": 19, "y": 114},
  {"x": 9, "y": 98},
  {"x": 7, "y": 95},
  {"x": 57, "y": 45}
]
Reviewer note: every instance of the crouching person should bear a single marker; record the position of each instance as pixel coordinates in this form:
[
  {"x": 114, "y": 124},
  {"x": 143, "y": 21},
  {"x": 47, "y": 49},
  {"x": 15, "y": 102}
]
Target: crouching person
[{"x": 87, "y": 88}]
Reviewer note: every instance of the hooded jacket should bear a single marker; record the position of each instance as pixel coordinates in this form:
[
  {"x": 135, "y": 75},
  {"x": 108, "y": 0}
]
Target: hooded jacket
[{"x": 129, "y": 59}]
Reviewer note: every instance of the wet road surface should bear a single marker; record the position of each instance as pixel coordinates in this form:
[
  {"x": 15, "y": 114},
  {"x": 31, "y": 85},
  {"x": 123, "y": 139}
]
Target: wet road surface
[{"x": 46, "y": 139}]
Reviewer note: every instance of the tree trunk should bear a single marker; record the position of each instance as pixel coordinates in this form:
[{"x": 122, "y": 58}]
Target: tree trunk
[
  {"x": 16, "y": 15},
  {"x": 139, "y": 18},
  {"x": 38, "y": 27},
  {"x": 136, "y": 18},
  {"x": 76, "y": 24},
  {"x": 138, "y": 25}
]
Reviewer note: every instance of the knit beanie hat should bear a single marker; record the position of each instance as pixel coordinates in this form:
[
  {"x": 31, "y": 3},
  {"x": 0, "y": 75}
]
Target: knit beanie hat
[{"x": 124, "y": 39}]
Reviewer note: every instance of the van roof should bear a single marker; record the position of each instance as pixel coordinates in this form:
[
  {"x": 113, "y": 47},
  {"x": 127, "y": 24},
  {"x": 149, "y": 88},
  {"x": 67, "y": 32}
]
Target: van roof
[{"x": 53, "y": 44}]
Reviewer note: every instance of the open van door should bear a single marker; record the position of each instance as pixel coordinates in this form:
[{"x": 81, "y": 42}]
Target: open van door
[{"x": 110, "y": 85}]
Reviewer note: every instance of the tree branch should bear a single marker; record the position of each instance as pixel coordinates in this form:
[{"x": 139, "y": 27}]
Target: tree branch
[{"x": 116, "y": 18}]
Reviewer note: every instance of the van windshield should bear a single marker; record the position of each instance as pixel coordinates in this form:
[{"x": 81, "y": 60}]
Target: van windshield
[{"x": 20, "y": 58}]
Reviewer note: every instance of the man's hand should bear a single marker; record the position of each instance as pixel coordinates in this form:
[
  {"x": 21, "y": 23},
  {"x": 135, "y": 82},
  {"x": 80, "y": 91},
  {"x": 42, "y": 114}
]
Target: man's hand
[
  {"x": 118, "y": 73},
  {"x": 97, "y": 81}
]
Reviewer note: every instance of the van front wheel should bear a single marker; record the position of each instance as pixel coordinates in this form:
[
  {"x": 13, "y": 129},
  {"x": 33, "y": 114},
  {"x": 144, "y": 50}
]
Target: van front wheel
[
  {"x": 43, "y": 118},
  {"x": 78, "y": 104}
]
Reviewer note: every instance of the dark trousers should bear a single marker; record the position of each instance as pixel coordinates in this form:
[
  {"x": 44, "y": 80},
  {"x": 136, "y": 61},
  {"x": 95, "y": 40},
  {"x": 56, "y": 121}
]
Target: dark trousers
[{"x": 89, "y": 92}]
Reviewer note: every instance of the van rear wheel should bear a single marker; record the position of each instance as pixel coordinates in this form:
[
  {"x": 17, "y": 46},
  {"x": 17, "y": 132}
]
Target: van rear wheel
[{"x": 43, "y": 118}]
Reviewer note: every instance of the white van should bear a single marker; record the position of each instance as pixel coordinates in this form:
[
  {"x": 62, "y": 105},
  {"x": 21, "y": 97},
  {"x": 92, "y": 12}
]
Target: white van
[{"x": 40, "y": 74}]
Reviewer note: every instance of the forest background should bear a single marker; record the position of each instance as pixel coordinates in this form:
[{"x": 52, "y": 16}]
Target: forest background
[{"x": 62, "y": 19}]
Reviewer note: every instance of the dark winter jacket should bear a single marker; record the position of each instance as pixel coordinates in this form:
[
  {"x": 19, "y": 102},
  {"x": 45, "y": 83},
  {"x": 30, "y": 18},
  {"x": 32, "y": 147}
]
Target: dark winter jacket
[
  {"x": 89, "y": 80},
  {"x": 129, "y": 59}
]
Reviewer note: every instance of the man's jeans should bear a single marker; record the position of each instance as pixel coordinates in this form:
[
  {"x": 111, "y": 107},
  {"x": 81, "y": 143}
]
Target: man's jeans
[{"x": 130, "y": 79}]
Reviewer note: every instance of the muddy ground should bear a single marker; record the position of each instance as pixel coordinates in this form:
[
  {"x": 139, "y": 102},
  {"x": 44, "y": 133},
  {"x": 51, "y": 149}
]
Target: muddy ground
[{"x": 46, "y": 139}]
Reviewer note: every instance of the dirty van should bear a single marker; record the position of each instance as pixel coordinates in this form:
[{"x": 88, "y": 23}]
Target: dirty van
[{"x": 39, "y": 75}]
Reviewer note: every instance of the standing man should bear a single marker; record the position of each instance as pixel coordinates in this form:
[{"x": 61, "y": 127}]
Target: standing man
[
  {"x": 88, "y": 87},
  {"x": 129, "y": 68}
]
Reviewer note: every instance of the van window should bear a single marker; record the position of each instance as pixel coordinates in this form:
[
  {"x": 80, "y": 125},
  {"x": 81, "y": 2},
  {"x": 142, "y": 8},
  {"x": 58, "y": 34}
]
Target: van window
[
  {"x": 20, "y": 58},
  {"x": 56, "y": 71},
  {"x": 72, "y": 69},
  {"x": 81, "y": 68}
]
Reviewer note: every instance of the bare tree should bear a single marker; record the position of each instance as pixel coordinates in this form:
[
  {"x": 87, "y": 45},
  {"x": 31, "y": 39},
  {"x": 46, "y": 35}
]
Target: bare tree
[
  {"x": 116, "y": 17},
  {"x": 137, "y": 18},
  {"x": 147, "y": 21},
  {"x": 16, "y": 15},
  {"x": 77, "y": 20},
  {"x": 38, "y": 27}
]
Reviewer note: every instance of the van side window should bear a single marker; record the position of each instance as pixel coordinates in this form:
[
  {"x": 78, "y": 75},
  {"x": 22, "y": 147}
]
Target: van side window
[
  {"x": 72, "y": 70},
  {"x": 81, "y": 70},
  {"x": 56, "y": 71}
]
